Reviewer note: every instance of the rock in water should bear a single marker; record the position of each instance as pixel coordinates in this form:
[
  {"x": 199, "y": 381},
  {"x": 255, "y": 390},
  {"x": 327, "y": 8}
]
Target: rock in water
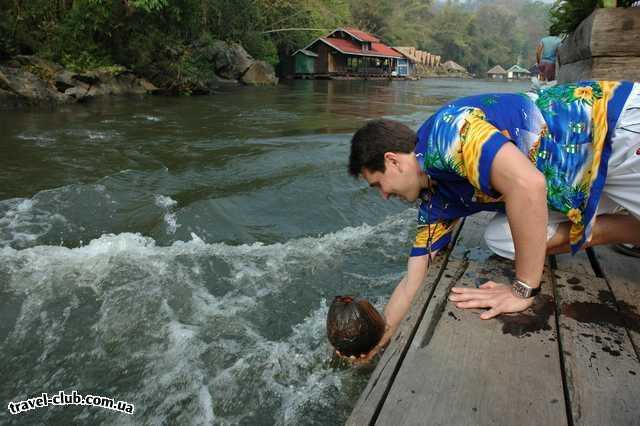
[
  {"x": 259, "y": 73},
  {"x": 354, "y": 326}
]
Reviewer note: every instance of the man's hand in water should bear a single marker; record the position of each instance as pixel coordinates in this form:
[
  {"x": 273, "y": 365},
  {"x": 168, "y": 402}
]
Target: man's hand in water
[
  {"x": 361, "y": 359},
  {"x": 366, "y": 358},
  {"x": 498, "y": 297}
]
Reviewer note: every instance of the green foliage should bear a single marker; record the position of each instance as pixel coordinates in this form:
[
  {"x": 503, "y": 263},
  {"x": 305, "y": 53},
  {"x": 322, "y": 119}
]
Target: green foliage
[
  {"x": 147, "y": 5},
  {"x": 373, "y": 15},
  {"x": 259, "y": 46},
  {"x": 481, "y": 34},
  {"x": 566, "y": 15},
  {"x": 157, "y": 38}
]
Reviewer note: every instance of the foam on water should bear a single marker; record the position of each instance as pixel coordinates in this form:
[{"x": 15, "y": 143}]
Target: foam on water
[
  {"x": 170, "y": 219},
  {"x": 22, "y": 221},
  {"x": 148, "y": 117},
  {"x": 183, "y": 332},
  {"x": 92, "y": 135},
  {"x": 40, "y": 140}
]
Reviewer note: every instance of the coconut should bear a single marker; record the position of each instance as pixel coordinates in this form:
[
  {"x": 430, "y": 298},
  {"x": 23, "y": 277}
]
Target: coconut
[{"x": 354, "y": 326}]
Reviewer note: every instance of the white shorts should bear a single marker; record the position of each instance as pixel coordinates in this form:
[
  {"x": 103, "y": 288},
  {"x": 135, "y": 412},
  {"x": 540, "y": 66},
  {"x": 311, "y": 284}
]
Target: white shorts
[{"x": 621, "y": 189}]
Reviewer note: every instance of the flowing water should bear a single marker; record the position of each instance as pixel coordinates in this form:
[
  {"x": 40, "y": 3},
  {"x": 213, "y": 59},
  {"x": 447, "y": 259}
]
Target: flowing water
[{"x": 180, "y": 253}]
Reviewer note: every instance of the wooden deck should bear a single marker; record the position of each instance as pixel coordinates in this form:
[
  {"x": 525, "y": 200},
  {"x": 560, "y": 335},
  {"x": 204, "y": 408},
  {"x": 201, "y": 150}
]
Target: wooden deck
[{"x": 572, "y": 359}]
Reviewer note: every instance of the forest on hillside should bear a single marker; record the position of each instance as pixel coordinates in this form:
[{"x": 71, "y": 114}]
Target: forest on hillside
[{"x": 148, "y": 35}]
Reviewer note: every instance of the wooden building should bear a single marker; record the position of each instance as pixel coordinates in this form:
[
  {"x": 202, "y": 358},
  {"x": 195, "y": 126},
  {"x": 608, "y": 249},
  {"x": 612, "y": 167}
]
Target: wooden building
[
  {"x": 516, "y": 72},
  {"x": 497, "y": 72},
  {"x": 304, "y": 61},
  {"x": 348, "y": 52}
]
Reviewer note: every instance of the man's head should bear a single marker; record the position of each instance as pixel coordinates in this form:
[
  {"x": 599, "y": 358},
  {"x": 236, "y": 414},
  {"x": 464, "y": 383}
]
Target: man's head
[{"x": 382, "y": 153}]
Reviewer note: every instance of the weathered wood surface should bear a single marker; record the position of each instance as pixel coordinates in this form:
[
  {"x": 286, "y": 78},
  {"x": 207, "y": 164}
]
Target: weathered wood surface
[
  {"x": 463, "y": 370},
  {"x": 622, "y": 273},
  {"x": 602, "y": 371},
  {"x": 605, "y": 46},
  {"x": 606, "y": 32},
  {"x": 577, "y": 45},
  {"x": 578, "y": 263},
  {"x": 470, "y": 243},
  {"x": 374, "y": 394},
  {"x": 601, "y": 68},
  {"x": 446, "y": 366}
]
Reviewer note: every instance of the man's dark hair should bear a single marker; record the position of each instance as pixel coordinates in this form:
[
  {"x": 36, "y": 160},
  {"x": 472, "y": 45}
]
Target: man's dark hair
[{"x": 374, "y": 139}]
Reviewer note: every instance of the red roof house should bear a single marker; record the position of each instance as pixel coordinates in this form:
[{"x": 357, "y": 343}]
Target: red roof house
[{"x": 349, "y": 51}]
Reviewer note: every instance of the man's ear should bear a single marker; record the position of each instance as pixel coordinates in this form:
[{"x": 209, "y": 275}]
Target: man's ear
[{"x": 391, "y": 159}]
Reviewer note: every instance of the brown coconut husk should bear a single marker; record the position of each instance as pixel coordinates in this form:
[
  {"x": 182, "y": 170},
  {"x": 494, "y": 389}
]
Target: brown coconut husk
[{"x": 354, "y": 326}]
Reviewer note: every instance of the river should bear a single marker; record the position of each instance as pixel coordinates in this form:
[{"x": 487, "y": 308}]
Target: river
[{"x": 180, "y": 253}]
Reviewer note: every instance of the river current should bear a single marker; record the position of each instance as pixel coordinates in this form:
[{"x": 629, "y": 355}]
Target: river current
[{"x": 180, "y": 253}]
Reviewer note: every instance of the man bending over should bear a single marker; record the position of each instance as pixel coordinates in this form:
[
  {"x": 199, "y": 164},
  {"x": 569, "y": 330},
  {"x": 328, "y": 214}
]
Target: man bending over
[{"x": 556, "y": 166}]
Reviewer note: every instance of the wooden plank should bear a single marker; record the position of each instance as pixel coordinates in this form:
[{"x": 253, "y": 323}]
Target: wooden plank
[
  {"x": 616, "y": 32},
  {"x": 616, "y": 68},
  {"x": 462, "y": 370},
  {"x": 374, "y": 394},
  {"x": 622, "y": 273},
  {"x": 574, "y": 71},
  {"x": 605, "y": 33},
  {"x": 602, "y": 369},
  {"x": 470, "y": 243},
  {"x": 577, "y": 45},
  {"x": 578, "y": 263},
  {"x": 601, "y": 68}
]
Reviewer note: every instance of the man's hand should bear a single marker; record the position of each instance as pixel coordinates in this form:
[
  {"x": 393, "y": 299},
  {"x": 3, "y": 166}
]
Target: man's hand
[
  {"x": 498, "y": 297},
  {"x": 361, "y": 359},
  {"x": 366, "y": 358}
]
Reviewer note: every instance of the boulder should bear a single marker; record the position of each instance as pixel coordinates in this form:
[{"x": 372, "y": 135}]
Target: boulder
[
  {"x": 4, "y": 82},
  {"x": 41, "y": 66},
  {"x": 80, "y": 93},
  {"x": 9, "y": 99},
  {"x": 29, "y": 86},
  {"x": 64, "y": 80},
  {"x": 33, "y": 81},
  {"x": 229, "y": 59},
  {"x": 260, "y": 73}
]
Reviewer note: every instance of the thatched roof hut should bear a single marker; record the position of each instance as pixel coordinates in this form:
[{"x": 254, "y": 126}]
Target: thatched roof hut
[{"x": 497, "y": 70}]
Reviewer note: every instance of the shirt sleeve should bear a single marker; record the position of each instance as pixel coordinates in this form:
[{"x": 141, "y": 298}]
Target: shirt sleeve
[{"x": 479, "y": 142}]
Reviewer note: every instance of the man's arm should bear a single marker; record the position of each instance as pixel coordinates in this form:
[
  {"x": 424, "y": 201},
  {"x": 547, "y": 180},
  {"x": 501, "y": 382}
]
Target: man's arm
[
  {"x": 525, "y": 195},
  {"x": 402, "y": 296},
  {"x": 400, "y": 301},
  {"x": 539, "y": 53},
  {"x": 524, "y": 191}
]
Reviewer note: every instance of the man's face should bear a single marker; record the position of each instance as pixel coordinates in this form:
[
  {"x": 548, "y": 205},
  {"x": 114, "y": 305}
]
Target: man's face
[{"x": 398, "y": 180}]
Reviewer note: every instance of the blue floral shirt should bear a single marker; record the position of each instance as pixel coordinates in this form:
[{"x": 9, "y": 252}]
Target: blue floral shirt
[{"x": 564, "y": 130}]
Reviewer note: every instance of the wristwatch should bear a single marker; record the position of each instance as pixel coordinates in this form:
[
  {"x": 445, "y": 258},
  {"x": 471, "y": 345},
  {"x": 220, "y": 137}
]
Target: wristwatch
[{"x": 523, "y": 290}]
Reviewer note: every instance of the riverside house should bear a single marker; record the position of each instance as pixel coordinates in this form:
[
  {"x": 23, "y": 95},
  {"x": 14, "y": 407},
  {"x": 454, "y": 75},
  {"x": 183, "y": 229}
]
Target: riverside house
[
  {"x": 497, "y": 72},
  {"x": 347, "y": 52},
  {"x": 518, "y": 73}
]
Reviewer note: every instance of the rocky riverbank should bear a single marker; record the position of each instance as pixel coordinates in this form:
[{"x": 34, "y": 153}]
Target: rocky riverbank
[{"x": 31, "y": 81}]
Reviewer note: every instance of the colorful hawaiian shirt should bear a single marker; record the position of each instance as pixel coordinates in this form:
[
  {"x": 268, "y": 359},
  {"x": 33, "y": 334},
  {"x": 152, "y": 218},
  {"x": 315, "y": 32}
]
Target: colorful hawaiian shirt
[{"x": 564, "y": 130}]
